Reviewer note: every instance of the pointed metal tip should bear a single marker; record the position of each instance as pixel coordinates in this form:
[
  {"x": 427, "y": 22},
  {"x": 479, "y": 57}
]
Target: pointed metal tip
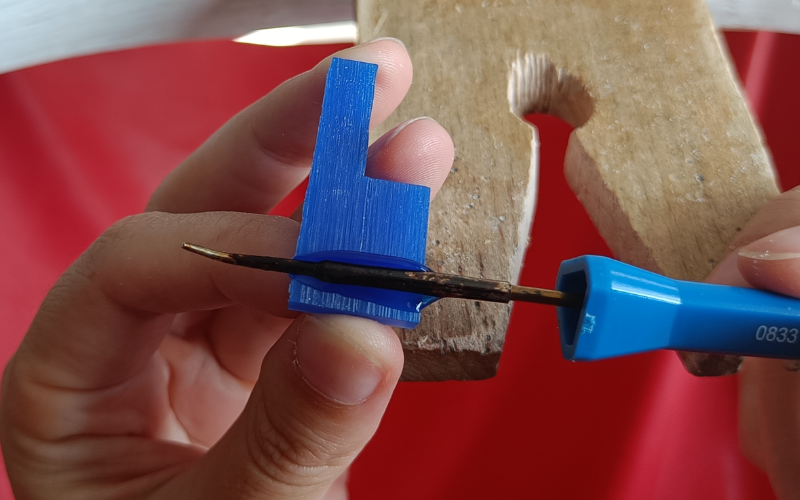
[{"x": 211, "y": 254}]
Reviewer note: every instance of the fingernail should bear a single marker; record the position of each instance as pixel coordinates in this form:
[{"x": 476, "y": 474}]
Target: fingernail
[
  {"x": 388, "y": 38},
  {"x": 385, "y": 139},
  {"x": 336, "y": 361},
  {"x": 782, "y": 245},
  {"x": 727, "y": 272}
]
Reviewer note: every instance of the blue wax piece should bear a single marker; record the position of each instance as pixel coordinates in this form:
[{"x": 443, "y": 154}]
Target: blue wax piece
[
  {"x": 627, "y": 310},
  {"x": 348, "y": 217}
]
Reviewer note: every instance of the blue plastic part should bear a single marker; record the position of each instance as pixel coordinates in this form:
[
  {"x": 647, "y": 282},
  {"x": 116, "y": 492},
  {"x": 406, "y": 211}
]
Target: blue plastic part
[
  {"x": 389, "y": 298},
  {"x": 348, "y": 217},
  {"x": 628, "y": 310}
]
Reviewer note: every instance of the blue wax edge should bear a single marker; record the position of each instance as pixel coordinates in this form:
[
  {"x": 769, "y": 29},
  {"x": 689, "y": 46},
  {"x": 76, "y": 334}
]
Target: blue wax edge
[
  {"x": 406, "y": 302},
  {"x": 346, "y": 211}
]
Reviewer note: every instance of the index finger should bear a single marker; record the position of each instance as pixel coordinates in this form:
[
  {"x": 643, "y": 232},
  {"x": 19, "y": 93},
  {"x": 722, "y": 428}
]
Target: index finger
[
  {"x": 265, "y": 151},
  {"x": 105, "y": 318}
]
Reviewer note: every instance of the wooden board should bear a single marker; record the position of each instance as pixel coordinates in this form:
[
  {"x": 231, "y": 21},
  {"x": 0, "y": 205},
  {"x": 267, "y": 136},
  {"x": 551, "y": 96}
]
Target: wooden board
[{"x": 665, "y": 157}]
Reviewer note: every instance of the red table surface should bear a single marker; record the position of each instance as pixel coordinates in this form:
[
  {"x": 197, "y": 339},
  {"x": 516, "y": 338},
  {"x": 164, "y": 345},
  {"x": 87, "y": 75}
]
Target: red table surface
[{"x": 84, "y": 142}]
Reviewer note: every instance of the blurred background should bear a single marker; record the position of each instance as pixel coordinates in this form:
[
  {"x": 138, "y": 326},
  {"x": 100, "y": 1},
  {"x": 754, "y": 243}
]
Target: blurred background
[{"x": 84, "y": 141}]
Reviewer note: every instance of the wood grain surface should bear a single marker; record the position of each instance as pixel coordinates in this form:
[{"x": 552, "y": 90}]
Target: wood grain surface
[{"x": 665, "y": 156}]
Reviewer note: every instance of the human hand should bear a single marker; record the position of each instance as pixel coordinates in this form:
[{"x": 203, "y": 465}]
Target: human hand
[
  {"x": 151, "y": 373},
  {"x": 766, "y": 254}
]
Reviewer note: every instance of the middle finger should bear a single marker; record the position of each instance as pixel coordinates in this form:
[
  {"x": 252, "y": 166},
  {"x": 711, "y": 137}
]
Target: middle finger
[{"x": 265, "y": 151}]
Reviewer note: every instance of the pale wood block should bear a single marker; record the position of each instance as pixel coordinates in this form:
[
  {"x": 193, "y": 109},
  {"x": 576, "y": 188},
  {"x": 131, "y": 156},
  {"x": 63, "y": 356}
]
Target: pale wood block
[{"x": 665, "y": 157}]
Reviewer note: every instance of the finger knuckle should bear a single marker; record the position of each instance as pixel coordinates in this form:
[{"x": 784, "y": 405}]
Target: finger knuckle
[
  {"x": 278, "y": 234},
  {"x": 93, "y": 259}
]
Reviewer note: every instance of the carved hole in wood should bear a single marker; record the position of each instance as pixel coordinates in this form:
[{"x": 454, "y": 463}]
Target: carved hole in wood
[{"x": 536, "y": 85}]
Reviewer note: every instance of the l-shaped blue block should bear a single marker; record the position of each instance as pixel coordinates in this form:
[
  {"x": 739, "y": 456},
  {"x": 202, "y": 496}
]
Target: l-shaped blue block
[{"x": 348, "y": 217}]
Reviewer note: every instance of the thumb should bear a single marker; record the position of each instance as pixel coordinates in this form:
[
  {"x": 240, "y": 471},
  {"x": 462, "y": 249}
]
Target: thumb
[
  {"x": 769, "y": 398},
  {"x": 322, "y": 391}
]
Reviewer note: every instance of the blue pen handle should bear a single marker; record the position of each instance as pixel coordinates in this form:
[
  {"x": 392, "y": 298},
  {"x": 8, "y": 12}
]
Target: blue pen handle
[{"x": 627, "y": 310}]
